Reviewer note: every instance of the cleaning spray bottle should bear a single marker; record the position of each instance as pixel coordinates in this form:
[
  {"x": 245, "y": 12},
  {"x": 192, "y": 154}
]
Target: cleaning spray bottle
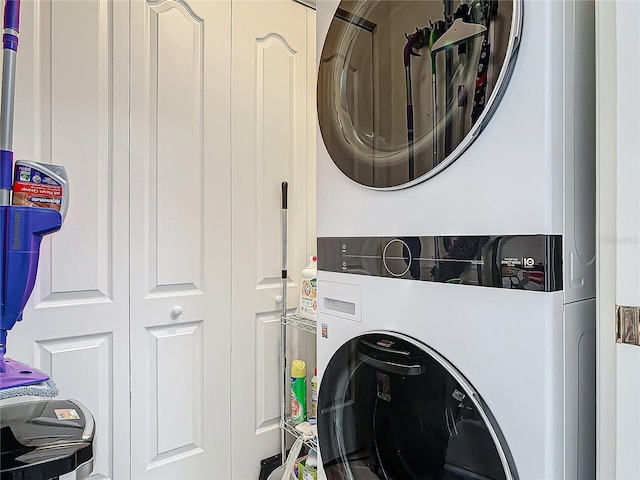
[
  {"x": 309, "y": 290},
  {"x": 314, "y": 396},
  {"x": 298, "y": 391}
]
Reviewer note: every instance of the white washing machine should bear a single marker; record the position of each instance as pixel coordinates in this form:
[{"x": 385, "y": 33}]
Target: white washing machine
[{"x": 456, "y": 239}]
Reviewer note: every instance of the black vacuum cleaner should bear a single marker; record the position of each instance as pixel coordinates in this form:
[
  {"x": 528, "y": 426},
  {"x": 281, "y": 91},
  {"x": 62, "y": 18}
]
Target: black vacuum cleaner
[{"x": 45, "y": 439}]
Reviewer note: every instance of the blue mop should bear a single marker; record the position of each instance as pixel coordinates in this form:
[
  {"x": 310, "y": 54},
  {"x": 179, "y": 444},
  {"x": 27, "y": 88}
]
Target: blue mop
[
  {"x": 41, "y": 438},
  {"x": 21, "y": 231}
]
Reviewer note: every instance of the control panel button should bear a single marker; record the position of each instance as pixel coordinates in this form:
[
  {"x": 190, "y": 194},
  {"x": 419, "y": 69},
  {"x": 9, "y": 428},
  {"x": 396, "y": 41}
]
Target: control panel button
[{"x": 396, "y": 258}]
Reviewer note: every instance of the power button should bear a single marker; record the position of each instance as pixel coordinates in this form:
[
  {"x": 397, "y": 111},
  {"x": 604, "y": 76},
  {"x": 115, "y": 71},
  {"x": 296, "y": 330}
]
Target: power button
[{"x": 396, "y": 258}]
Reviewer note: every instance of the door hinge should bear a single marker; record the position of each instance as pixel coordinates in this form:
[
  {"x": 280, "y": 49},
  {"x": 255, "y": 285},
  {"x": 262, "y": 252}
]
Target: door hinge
[{"x": 627, "y": 319}]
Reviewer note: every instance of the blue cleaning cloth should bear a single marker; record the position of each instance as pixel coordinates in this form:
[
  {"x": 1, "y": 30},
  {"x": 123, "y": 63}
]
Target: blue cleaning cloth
[{"x": 47, "y": 388}]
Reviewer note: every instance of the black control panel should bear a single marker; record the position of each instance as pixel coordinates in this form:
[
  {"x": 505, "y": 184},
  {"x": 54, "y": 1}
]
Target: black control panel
[{"x": 523, "y": 262}]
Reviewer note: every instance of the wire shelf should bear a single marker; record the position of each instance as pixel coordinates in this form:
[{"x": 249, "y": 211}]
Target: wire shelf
[
  {"x": 290, "y": 428},
  {"x": 296, "y": 321}
]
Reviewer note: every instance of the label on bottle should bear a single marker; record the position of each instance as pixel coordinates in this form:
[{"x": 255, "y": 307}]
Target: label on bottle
[
  {"x": 295, "y": 407},
  {"x": 314, "y": 397},
  {"x": 34, "y": 188},
  {"x": 308, "y": 474},
  {"x": 309, "y": 298},
  {"x": 298, "y": 400}
]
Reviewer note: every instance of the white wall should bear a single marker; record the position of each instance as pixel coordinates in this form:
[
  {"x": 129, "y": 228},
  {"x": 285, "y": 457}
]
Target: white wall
[
  {"x": 606, "y": 246},
  {"x": 627, "y": 231},
  {"x": 619, "y": 236}
]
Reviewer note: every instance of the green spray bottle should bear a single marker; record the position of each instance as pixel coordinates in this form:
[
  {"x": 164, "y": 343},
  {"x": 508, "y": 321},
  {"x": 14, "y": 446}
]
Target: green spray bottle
[{"x": 298, "y": 391}]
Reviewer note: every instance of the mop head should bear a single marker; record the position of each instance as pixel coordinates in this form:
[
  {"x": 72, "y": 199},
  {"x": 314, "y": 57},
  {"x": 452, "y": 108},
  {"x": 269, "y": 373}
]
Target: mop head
[{"x": 47, "y": 388}]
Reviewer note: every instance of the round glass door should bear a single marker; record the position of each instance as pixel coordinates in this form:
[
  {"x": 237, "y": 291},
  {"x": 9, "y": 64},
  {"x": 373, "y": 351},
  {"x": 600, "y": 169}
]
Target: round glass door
[
  {"x": 391, "y": 408},
  {"x": 404, "y": 87}
]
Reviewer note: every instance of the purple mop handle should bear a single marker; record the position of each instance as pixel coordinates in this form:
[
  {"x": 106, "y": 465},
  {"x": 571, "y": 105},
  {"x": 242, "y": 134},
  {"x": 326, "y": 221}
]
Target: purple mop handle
[
  {"x": 12, "y": 15},
  {"x": 10, "y": 49}
]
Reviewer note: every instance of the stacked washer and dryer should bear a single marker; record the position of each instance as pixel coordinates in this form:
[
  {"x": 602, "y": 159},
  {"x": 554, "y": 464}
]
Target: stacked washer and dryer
[{"x": 456, "y": 239}]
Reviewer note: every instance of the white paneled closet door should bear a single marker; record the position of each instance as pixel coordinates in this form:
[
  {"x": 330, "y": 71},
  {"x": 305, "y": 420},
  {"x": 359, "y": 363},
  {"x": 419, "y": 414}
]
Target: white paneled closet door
[
  {"x": 273, "y": 79},
  {"x": 180, "y": 239},
  {"x": 72, "y": 109}
]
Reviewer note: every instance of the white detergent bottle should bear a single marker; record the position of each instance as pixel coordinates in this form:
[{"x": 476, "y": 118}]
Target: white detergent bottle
[{"x": 309, "y": 290}]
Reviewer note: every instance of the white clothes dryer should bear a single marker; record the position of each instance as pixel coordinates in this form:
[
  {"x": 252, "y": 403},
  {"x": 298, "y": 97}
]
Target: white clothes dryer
[
  {"x": 514, "y": 144},
  {"x": 456, "y": 225}
]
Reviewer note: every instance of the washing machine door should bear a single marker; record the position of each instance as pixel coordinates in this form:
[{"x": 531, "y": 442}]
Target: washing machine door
[
  {"x": 404, "y": 87},
  {"x": 392, "y": 408}
]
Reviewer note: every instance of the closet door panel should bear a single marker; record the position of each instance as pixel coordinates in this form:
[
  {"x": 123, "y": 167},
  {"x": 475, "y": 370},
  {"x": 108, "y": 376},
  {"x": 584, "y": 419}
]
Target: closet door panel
[
  {"x": 180, "y": 239},
  {"x": 269, "y": 145},
  {"x": 72, "y": 110},
  {"x": 177, "y": 153}
]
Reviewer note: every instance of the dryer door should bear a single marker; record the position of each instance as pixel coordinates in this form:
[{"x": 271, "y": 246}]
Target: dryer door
[
  {"x": 404, "y": 87},
  {"x": 392, "y": 408}
]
